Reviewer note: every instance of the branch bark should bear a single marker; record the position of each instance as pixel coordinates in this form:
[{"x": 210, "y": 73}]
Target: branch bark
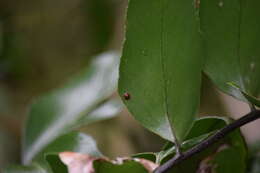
[{"x": 255, "y": 114}]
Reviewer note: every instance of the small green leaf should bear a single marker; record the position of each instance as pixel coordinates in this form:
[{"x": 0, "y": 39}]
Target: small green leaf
[
  {"x": 230, "y": 154},
  {"x": 251, "y": 99},
  {"x": 228, "y": 161},
  {"x": 148, "y": 156},
  {"x": 160, "y": 70},
  {"x": 206, "y": 125},
  {"x": 201, "y": 130},
  {"x": 231, "y": 146},
  {"x": 102, "y": 166},
  {"x": 231, "y": 32},
  {"x": 56, "y": 164},
  {"x": 77, "y": 162},
  {"x": 58, "y": 112}
]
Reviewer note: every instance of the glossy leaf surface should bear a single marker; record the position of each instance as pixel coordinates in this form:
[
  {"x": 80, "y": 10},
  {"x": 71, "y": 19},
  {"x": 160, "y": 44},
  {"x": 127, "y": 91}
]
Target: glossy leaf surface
[
  {"x": 58, "y": 112},
  {"x": 231, "y": 32},
  {"x": 160, "y": 69}
]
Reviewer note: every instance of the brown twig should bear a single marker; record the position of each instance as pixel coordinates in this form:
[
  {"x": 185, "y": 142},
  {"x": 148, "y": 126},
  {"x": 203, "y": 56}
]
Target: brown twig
[{"x": 255, "y": 114}]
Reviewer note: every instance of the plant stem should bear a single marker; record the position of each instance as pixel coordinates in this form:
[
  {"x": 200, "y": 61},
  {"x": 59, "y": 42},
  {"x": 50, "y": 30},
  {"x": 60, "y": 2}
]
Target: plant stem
[{"x": 209, "y": 141}]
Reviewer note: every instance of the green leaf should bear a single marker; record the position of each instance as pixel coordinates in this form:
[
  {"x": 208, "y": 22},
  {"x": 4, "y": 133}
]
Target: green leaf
[
  {"x": 74, "y": 142},
  {"x": 228, "y": 161},
  {"x": 130, "y": 166},
  {"x": 108, "y": 109},
  {"x": 231, "y": 32},
  {"x": 216, "y": 158},
  {"x": 58, "y": 112},
  {"x": 206, "y": 125},
  {"x": 148, "y": 156},
  {"x": 228, "y": 154},
  {"x": 160, "y": 70},
  {"x": 77, "y": 162},
  {"x": 201, "y": 130},
  {"x": 231, "y": 156},
  {"x": 249, "y": 51},
  {"x": 251, "y": 99},
  {"x": 56, "y": 164},
  {"x": 24, "y": 169}
]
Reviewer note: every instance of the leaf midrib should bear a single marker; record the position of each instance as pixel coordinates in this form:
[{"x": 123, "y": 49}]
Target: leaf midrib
[{"x": 165, "y": 88}]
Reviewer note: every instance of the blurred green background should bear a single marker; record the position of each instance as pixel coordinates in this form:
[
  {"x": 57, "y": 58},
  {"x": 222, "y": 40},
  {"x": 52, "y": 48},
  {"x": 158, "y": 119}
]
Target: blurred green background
[{"x": 43, "y": 43}]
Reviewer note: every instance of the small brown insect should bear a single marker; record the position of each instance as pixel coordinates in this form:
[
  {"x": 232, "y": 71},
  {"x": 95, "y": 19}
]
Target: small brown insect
[{"x": 126, "y": 96}]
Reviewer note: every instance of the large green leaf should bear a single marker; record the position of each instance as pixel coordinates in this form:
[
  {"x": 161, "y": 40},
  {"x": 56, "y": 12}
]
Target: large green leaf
[
  {"x": 249, "y": 51},
  {"x": 231, "y": 32},
  {"x": 160, "y": 69},
  {"x": 58, "y": 112}
]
